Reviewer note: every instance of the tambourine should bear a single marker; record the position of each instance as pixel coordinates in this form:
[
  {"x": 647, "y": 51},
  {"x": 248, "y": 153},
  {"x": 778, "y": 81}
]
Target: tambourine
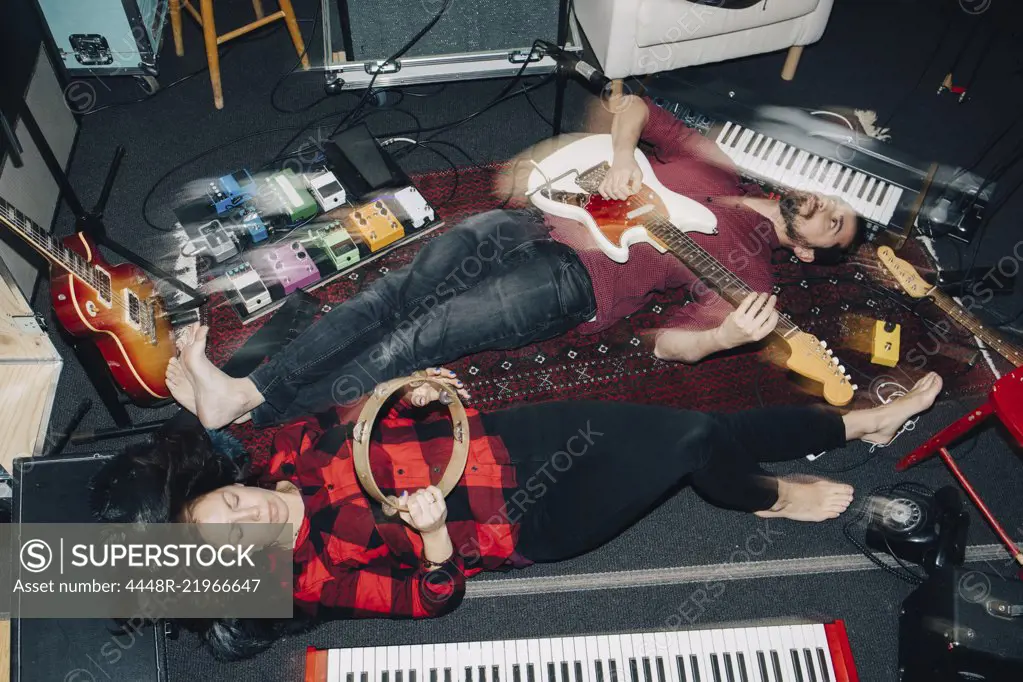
[{"x": 367, "y": 418}]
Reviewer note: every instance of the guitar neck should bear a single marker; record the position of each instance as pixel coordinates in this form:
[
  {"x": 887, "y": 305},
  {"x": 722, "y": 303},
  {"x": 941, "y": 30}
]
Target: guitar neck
[
  {"x": 47, "y": 245},
  {"x": 992, "y": 339},
  {"x": 708, "y": 268}
]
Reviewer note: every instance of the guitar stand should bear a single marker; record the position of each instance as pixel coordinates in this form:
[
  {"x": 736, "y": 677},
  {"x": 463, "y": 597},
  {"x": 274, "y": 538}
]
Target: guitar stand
[
  {"x": 113, "y": 399},
  {"x": 91, "y": 223}
]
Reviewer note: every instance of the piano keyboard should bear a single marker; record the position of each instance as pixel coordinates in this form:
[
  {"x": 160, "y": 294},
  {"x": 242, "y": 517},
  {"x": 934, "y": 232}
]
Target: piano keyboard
[
  {"x": 786, "y": 148},
  {"x": 778, "y": 163},
  {"x": 792, "y": 653}
]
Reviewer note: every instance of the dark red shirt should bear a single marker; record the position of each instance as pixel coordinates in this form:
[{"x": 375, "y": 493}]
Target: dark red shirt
[
  {"x": 692, "y": 165},
  {"x": 352, "y": 560}
]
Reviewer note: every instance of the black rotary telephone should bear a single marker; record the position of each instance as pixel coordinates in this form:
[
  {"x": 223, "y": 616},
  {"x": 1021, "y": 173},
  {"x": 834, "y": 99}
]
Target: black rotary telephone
[{"x": 927, "y": 530}]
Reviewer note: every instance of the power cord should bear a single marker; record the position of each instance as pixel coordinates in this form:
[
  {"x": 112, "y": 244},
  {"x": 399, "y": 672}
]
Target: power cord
[
  {"x": 369, "y": 87},
  {"x": 928, "y": 63},
  {"x": 898, "y": 392},
  {"x": 259, "y": 35},
  {"x": 425, "y": 145},
  {"x": 291, "y": 71},
  {"x": 874, "y": 447}
]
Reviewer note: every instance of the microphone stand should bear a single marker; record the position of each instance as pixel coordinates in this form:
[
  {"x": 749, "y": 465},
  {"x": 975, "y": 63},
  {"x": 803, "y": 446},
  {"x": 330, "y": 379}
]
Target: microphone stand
[{"x": 561, "y": 74}]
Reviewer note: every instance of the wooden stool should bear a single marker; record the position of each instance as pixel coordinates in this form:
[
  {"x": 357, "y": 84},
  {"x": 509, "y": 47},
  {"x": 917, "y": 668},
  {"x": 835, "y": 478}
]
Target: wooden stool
[{"x": 213, "y": 41}]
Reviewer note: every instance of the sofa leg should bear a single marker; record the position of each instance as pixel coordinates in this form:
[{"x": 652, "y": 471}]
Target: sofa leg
[{"x": 788, "y": 72}]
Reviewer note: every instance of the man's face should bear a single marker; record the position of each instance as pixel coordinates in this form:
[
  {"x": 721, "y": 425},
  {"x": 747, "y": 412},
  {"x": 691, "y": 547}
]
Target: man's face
[{"x": 815, "y": 221}]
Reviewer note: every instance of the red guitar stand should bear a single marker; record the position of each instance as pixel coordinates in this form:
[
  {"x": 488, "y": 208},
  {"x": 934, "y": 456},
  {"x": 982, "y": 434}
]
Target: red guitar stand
[{"x": 1005, "y": 402}]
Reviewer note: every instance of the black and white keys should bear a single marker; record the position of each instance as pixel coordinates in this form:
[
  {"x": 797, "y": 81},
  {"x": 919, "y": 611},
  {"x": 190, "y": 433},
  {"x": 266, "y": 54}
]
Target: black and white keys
[
  {"x": 797, "y": 653},
  {"x": 780, "y": 163}
]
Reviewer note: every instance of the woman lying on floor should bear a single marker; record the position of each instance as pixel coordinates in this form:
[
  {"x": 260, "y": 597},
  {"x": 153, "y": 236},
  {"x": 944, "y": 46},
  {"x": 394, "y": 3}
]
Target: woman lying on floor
[{"x": 543, "y": 483}]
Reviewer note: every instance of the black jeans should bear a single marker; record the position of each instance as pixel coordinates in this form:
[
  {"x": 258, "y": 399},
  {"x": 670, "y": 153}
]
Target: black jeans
[
  {"x": 586, "y": 471},
  {"x": 496, "y": 281}
]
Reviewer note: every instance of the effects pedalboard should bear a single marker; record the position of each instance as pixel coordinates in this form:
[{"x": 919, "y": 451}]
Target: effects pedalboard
[{"x": 270, "y": 235}]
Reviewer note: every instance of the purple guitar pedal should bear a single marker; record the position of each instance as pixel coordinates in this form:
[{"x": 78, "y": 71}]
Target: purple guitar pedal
[{"x": 287, "y": 264}]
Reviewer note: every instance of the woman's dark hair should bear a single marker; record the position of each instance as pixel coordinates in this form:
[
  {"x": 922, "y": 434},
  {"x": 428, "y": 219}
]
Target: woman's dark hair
[{"x": 155, "y": 482}]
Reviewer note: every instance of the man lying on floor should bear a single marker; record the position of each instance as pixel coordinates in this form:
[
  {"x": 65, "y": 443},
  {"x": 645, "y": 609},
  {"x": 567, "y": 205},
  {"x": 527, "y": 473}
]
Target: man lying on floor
[
  {"x": 505, "y": 279},
  {"x": 517, "y": 502}
]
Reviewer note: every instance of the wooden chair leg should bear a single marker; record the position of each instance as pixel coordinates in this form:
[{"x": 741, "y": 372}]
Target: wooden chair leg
[
  {"x": 788, "y": 72},
  {"x": 293, "y": 29},
  {"x": 258, "y": 6},
  {"x": 175, "y": 18},
  {"x": 209, "y": 32}
]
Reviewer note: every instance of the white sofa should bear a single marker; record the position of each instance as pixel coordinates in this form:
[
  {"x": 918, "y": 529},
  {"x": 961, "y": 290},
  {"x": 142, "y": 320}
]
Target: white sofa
[{"x": 639, "y": 37}]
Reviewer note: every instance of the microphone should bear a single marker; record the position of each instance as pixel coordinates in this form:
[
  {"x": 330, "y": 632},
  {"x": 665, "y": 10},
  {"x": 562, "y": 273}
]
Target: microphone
[{"x": 592, "y": 77}]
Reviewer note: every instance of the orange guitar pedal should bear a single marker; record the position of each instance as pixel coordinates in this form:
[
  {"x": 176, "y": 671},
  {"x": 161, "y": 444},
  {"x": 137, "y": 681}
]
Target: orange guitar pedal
[{"x": 376, "y": 225}]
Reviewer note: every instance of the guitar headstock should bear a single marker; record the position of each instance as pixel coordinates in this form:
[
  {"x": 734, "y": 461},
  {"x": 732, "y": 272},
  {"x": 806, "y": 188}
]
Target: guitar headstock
[
  {"x": 904, "y": 273},
  {"x": 811, "y": 357}
]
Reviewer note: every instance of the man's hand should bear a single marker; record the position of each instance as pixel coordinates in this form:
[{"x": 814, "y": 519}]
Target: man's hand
[
  {"x": 422, "y": 394},
  {"x": 755, "y": 318},
  {"x": 427, "y": 511},
  {"x": 623, "y": 179}
]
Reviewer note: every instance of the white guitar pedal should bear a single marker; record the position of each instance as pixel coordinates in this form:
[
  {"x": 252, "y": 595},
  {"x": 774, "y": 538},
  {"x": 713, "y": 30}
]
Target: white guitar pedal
[
  {"x": 415, "y": 207},
  {"x": 328, "y": 191},
  {"x": 248, "y": 288}
]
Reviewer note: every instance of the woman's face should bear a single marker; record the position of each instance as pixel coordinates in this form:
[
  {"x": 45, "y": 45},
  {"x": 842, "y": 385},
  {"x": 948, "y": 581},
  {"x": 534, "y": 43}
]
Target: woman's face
[{"x": 244, "y": 515}]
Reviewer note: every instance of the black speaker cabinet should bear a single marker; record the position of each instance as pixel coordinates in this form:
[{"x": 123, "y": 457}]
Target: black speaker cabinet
[
  {"x": 962, "y": 625},
  {"x": 31, "y": 188},
  {"x": 55, "y": 490}
]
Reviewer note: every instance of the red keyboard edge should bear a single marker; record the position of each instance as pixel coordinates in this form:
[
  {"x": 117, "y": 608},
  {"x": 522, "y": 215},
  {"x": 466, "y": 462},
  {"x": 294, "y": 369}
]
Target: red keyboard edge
[{"x": 841, "y": 652}]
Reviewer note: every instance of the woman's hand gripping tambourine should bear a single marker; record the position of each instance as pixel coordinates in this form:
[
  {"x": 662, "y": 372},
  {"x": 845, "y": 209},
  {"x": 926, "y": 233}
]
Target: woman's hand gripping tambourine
[{"x": 420, "y": 386}]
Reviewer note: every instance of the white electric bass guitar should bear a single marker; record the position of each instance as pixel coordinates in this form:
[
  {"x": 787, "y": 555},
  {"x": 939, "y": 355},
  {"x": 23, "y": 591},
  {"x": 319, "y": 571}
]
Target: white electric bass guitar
[{"x": 565, "y": 184}]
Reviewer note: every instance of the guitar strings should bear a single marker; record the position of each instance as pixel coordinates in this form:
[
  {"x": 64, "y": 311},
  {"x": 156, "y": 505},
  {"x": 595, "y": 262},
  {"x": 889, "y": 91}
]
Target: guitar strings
[{"x": 146, "y": 322}]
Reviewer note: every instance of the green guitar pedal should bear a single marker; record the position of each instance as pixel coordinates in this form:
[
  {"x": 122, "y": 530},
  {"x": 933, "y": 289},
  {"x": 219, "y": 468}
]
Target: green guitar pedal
[
  {"x": 284, "y": 194},
  {"x": 341, "y": 248}
]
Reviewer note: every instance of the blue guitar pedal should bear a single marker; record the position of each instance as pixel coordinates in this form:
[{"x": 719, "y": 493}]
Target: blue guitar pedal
[
  {"x": 255, "y": 227},
  {"x": 231, "y": 191}
]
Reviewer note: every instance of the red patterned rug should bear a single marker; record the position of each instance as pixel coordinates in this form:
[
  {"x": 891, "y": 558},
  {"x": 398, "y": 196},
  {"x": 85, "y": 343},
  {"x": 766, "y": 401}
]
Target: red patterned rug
[{"x": 834, "y": 303}]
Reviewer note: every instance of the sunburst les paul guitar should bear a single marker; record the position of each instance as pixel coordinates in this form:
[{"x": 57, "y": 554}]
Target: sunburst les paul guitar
[
  {"x": 917, "y": 287},
  {"x": 116, "y": 306},
  {"x": 565, "y": 184}
]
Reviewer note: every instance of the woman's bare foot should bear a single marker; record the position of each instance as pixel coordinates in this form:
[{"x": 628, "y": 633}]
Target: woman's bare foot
[
  {"x": 809, "y": 500},
  {"x": 180, "y": 385},
  {"x": 881, "y": 424},
  {"x": 219, "y": 399}
]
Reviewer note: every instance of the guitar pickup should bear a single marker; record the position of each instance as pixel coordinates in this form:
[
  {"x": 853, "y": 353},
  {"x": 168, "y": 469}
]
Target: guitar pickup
[{"x": 642, "y": 210}]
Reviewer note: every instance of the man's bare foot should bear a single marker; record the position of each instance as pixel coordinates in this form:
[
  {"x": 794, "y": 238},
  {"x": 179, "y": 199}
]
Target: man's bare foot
[
  {"x": 180, "y": 385},
  {"x": 809, "y": 500},
  {"x": 219, "y": 399},
  {"x": 883, "y": 423}
]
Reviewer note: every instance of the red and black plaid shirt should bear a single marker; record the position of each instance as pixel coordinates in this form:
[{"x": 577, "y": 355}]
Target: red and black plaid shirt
[
  {"x": 351, "y": 560},
  {"x": 691, "y": 165}
]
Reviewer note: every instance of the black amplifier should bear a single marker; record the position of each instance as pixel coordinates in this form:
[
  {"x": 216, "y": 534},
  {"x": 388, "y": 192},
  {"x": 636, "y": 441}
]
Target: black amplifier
[
  {"x": 56, "y": 490},
  {"x": 962, "y": 625}
]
